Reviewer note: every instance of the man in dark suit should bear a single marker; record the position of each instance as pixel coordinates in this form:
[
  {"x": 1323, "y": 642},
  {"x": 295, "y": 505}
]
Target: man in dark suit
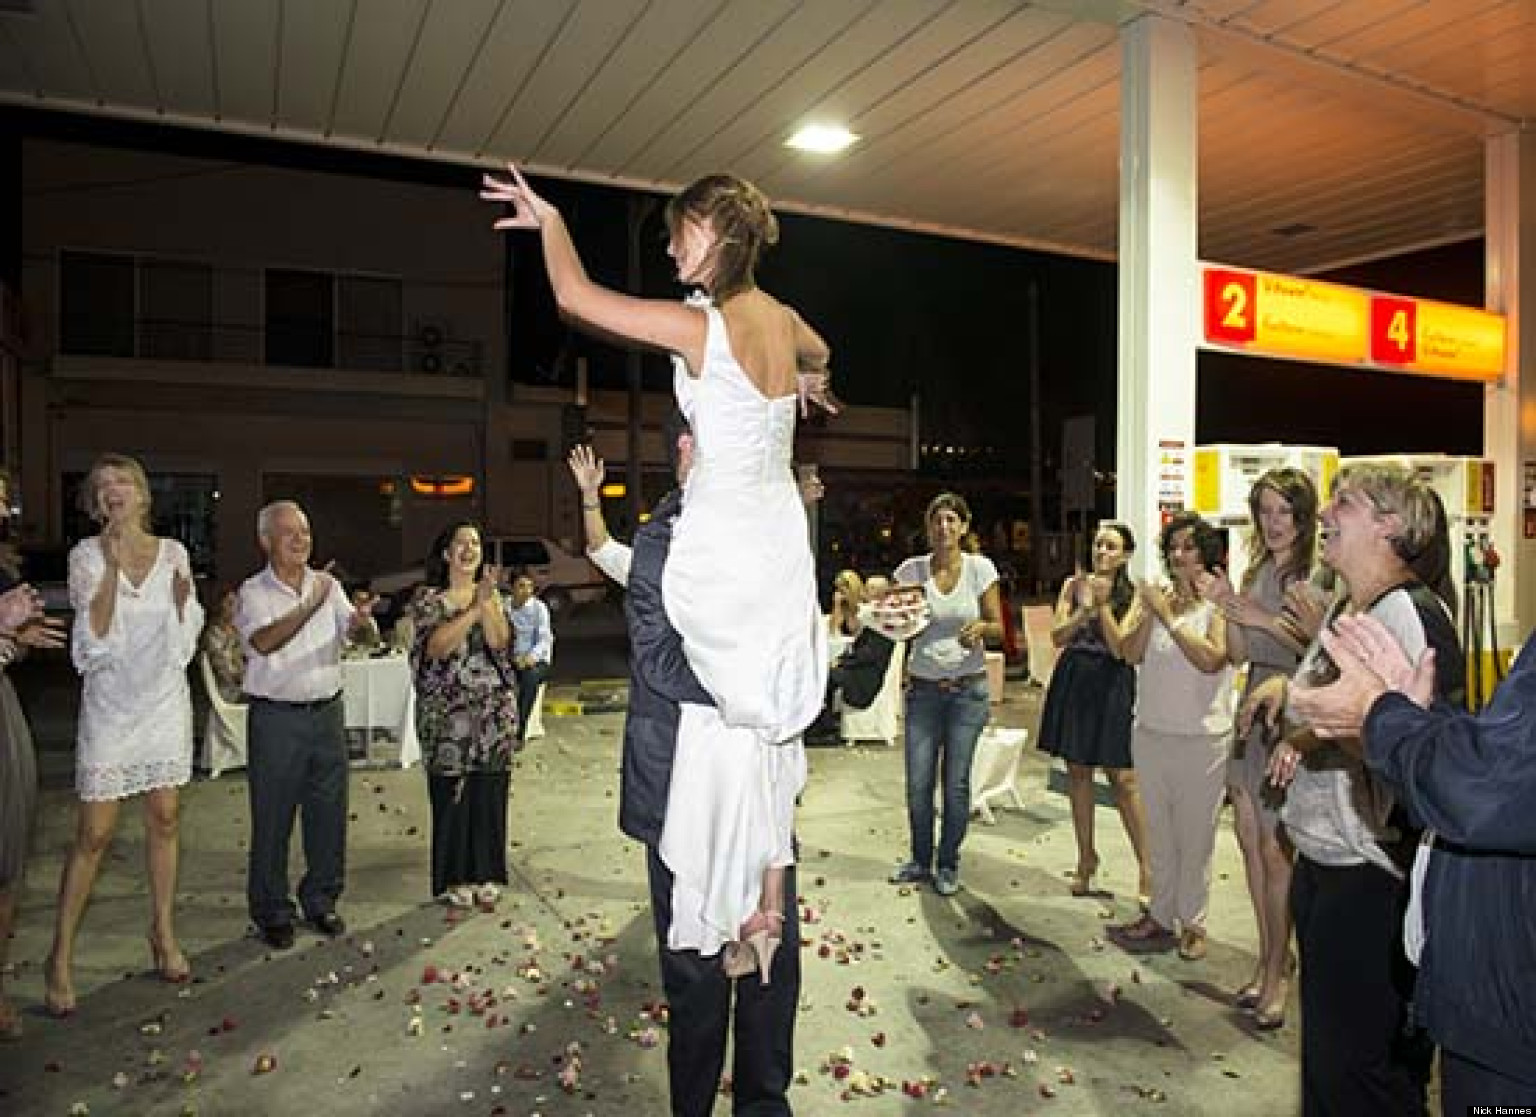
[{"x": 705, "y": 1004}]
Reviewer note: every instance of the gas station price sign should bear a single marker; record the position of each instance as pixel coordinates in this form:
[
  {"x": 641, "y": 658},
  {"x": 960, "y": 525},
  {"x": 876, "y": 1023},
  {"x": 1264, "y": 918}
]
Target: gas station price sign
[
  {"x": 1435, "y": 338},
  {"x": 1269, "y": 314}
]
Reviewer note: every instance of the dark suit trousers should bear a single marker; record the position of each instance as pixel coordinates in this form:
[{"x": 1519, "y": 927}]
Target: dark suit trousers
[
  {"x": 297, "y": 763},
  {"x": 700, "y": 998}
]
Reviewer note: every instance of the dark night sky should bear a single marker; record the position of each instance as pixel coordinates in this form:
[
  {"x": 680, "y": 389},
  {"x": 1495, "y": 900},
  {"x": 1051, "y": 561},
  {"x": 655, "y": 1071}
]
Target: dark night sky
[
  {"x": 903, "y": 312},
  {"x": 906, "y": 311}
]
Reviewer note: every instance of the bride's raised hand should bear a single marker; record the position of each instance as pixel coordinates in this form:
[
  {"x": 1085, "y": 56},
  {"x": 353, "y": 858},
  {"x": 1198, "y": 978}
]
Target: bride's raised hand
[{"x": 529, "y": 211}]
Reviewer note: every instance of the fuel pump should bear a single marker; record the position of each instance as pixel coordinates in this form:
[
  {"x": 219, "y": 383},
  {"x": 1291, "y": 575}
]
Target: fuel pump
[{"x": 1224, "y": 474}]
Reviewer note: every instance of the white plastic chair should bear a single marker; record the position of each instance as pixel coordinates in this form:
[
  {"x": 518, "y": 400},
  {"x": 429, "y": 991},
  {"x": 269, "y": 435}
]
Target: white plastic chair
[
  {"x": 224, "y": 733},
  {"x": 882, "y": 720},
  {"x": 996, "y": 666},
  {"x": 1038, "y": 622},
  {"x": 995, "y": 769},
  {"x": 536, "y": 716}
]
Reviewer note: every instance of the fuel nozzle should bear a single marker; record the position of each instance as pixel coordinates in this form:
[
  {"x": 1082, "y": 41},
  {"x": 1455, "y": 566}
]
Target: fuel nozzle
[
  {"x": 1474, "y": 564},
  {"x": 1491, "y": 559}
]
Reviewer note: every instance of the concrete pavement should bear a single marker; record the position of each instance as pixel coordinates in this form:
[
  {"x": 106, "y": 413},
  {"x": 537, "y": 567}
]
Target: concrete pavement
[{"x": 1009, "y": 984}]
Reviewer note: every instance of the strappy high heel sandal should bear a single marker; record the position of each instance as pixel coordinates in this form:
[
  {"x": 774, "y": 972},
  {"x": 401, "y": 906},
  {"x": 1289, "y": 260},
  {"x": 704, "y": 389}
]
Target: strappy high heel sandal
[
  {"x": 60, "y": 1002},
  {"x": 761, "y": 936},
  {"x": 172, "y": 967},
  {"x": 1271, "y": 1017},
  {"x": 10, "y": 1021},
  {"x": 1247, "y": 998},
  {"x": 1082, "y": 876}
]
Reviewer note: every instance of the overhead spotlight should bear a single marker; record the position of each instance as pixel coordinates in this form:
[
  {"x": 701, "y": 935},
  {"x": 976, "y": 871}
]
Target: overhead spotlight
[{"x": 822, "y": 139}]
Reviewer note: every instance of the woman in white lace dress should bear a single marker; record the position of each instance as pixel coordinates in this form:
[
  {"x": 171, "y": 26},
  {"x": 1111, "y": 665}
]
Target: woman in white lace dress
[
  {"x": 136, "y": 627},
  {"x": 755, "y": 639}
]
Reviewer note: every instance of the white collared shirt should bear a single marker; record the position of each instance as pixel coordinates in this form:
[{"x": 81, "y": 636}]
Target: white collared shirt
[
  {"x": 613, "y": 559},
  {"x": 308, "y": 667},
  {"x": 532, "y": 633}
]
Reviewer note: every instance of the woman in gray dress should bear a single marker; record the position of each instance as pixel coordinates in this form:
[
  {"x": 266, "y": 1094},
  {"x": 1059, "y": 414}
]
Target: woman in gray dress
[
  {"x": 18, "y": 766},
  {"x": 1262, "y": 633}
]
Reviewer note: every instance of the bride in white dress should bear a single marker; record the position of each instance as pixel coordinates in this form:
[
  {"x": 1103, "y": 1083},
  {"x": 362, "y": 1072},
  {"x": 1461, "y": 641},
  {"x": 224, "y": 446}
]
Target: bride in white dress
[{"x": 739, "y": 584}]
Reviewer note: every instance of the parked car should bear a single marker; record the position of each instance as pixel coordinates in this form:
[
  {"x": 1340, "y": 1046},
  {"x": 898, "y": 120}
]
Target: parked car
[{"x": 560, "y": 578}]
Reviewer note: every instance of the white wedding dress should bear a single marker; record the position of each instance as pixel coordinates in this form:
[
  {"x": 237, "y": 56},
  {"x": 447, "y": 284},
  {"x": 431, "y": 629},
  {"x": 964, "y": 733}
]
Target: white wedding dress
[{"x": 740, "y": 588}]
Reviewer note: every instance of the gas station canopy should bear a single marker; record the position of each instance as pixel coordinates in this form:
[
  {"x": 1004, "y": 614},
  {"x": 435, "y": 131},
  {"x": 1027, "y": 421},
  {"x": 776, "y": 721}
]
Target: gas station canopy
[{"x": 1329, "y": 130}]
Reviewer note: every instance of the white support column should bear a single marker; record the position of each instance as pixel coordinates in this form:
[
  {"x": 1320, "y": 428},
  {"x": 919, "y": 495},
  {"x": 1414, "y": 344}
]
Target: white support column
[
  {"x": 1159, "y": 276},
  {"x": 1509, "y": 412}
]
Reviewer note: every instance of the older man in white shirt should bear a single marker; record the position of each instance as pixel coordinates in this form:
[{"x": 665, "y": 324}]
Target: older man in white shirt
[{"x": 294, "y": 622}]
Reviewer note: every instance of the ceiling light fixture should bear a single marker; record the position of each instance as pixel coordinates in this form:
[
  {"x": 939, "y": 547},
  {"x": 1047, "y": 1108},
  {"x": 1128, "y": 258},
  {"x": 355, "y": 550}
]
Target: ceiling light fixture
[{"x": 822, "y": 139}]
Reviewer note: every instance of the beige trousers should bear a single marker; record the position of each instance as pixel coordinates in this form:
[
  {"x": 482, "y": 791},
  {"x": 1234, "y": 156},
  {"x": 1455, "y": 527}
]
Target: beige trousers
[{"x": 1182, "y": 777}]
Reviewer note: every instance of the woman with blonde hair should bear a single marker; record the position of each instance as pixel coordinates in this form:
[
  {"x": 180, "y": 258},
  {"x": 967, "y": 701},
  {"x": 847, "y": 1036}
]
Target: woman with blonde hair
[
  {"x": 847, "y": 597},
  {"x": 1359, "y": 861},
  {"x": 136, "y": 627}
]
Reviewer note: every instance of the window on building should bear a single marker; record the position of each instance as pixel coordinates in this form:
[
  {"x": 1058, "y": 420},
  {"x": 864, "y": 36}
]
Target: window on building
[
  {"x": 96, "y": 304},
  {"x": 530, "y": 450},
  {"x": 301, "y": 318},
  {"x": 176, "y": 316},
  {"x": 369, "y": 323}
]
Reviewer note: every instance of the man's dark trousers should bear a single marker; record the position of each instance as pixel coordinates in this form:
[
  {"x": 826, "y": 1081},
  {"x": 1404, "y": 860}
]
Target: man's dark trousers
[
  {"x": 700, "y": 996},
  {"x": 297, "y": 762}
]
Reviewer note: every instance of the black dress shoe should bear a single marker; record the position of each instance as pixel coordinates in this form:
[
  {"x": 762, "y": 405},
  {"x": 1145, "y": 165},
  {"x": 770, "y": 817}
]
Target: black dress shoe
[
  {"x": 328, "y": 924},
  {"x": 279, "y": 936}
]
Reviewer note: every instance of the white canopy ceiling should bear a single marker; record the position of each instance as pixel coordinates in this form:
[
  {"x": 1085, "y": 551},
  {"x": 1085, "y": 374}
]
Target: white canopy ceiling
[{"x": 1330, "y": 130}]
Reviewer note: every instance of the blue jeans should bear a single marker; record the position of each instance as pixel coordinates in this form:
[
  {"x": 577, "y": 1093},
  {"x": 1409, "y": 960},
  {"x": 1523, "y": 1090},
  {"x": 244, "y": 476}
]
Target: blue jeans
[{"x": 942, "y": 722}]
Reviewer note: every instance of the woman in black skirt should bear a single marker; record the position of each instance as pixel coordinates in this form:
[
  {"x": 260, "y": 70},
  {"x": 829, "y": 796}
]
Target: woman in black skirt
[
  {"x": 1087, "y": 717},
  {"x": 466, "y": 717}
]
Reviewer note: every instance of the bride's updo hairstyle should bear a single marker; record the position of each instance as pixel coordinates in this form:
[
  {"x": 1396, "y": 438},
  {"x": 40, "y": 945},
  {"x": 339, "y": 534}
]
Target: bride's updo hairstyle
[{"x": 744, "y": 225}]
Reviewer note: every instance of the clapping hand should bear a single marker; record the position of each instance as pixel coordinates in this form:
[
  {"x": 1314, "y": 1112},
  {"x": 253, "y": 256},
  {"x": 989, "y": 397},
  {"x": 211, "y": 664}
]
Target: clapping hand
[
  {"x": 1099, "y": 586},
  {"x": 1283, "y": 763},
  {"x": 1215, "y": 586},
  {"x": 1155, "y": 599},
  {"x": 19, "y": 605},
  {"x": 1081, "y": 593},
  {"x": 1265, "y": 702},
  {"x": 181, "y": 591},
  {"x": 1370, "y": 663},
  {"x": 111, "y": 544},
  {"x": 486, "y": 588},
  {"x": 529, "y": 211},
  {"x": 324, "y": 583},
  {"x": 973, "y": 634},
  {"x": 42, "y": 632},
  {"x": 1306, "y": 607}
]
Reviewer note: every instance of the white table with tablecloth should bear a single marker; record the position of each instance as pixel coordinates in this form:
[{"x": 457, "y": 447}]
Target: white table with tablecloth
[
  {"x": 381, "y": 701},
  {"x": 379, "y": 711}
]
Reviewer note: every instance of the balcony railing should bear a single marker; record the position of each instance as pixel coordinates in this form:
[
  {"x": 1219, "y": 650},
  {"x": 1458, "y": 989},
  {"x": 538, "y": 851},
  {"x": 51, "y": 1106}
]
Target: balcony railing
[{"x": 296, "y": 345}]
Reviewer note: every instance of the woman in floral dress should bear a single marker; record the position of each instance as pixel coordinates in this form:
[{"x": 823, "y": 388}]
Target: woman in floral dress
[{"x": 466, "y": 717}]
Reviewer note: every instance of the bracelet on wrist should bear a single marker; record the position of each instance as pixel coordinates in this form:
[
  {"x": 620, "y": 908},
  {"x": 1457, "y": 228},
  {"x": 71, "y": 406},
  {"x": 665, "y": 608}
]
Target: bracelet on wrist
[{"x": 590, "y": 507}]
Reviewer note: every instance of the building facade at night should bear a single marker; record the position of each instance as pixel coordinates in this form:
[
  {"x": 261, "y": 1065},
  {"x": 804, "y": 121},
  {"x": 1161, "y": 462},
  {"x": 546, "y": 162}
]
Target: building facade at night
[{"x": 252, "y": 331}]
